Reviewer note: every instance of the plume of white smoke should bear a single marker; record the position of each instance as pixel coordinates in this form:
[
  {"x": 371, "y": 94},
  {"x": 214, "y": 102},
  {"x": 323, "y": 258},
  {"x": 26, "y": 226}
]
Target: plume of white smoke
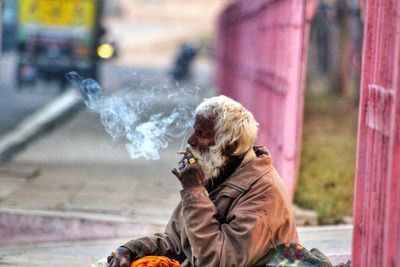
[{"x": 131, "y": 115}]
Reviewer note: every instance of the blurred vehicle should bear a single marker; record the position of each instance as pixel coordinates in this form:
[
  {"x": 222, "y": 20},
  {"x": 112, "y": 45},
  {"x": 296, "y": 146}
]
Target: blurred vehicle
[{"x": 57, "y": 36}]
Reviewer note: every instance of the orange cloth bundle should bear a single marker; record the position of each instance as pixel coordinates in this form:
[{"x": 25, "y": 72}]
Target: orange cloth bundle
[{"x": 155, "y": 261}]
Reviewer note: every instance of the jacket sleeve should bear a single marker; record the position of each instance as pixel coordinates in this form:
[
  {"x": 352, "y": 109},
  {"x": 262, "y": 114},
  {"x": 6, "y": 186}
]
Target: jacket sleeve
[
  {"x": 241, "y": 241},
  {"x": 161, "y": 244}
]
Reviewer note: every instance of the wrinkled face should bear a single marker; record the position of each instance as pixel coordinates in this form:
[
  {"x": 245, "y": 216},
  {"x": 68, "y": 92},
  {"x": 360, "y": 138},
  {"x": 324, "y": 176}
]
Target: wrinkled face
[
  {"x": 202, "y": 144},
  {"x": 203, "y": 135}
]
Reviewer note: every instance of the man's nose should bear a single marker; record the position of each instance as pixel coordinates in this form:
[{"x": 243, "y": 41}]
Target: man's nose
[{"x": 192, "y": 140}]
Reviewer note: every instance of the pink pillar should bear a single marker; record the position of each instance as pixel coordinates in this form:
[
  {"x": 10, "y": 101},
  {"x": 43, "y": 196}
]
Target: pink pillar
[
  {"x": 261, "y": 55},
  {"x": 376, "y": 239}
]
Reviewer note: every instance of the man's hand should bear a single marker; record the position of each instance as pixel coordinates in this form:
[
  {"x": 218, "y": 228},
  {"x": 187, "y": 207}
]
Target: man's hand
[
  {"x": 120, "y": 258},
  {"x": 190, "y": 173}
]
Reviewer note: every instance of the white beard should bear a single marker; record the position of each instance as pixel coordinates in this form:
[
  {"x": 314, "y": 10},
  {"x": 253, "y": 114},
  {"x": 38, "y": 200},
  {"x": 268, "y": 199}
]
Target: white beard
[{"x": 211, "y": 162}]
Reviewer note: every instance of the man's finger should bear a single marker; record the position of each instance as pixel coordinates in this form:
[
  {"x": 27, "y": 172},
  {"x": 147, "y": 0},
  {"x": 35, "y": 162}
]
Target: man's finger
[
  {"x": 181, "y": 164},
  {"x": 188, "y": 153},
  {"x": 176, "y": 173}
]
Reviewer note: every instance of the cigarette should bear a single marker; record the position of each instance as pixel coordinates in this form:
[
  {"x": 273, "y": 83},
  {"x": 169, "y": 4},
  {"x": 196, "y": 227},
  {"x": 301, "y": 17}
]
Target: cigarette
[{"x": 181, "y": 152}]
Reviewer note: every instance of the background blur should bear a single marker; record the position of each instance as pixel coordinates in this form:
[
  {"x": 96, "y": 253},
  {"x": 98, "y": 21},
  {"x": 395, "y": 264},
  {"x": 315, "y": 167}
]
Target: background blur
[{"x": 145, "y": 44}]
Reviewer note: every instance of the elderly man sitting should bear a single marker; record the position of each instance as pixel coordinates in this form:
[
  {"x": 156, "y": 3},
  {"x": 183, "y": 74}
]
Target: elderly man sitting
[{"x": 234, "y": 207}]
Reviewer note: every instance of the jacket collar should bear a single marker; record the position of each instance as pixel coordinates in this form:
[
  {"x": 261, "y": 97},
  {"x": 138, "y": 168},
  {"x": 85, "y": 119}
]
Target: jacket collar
[{"x": 250, "y": 170}]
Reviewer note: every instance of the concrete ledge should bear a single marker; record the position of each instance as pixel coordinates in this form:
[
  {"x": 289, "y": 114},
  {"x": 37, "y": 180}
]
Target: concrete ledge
[
  {"x": 335, "y": 241},
  {"x": 18, "y": 227},
  {"x": 40, "y": 121}
]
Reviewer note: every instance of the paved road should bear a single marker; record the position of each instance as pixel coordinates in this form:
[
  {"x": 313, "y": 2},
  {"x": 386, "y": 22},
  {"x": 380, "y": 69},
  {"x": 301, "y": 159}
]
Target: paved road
[{"x": 15, "y": 105}]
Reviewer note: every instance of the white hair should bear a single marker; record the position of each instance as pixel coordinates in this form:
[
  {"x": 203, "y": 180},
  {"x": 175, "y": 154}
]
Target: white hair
[{"x": 234, "y": 125}]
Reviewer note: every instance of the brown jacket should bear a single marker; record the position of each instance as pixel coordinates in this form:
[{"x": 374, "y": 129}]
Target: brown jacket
[{"x": 236, "y": 225}]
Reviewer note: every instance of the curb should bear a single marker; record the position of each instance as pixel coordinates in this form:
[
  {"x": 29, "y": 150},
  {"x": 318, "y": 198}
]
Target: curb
[
  {"x": 23, "y": 227},
  {"x": 39, "y": 122}
]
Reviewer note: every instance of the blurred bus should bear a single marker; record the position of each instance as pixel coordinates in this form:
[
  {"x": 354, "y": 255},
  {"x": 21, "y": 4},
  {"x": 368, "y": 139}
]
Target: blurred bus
[{"x": 57, "y": 36}]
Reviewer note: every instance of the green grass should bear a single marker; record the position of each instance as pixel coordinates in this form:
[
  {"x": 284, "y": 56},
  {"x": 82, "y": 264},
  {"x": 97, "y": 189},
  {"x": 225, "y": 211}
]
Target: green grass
[{"x": 326, "y": 181}]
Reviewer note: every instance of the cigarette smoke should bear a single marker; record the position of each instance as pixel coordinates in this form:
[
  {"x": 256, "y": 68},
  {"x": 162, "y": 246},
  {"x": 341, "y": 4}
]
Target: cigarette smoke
[{"x": 132, "y": 114}]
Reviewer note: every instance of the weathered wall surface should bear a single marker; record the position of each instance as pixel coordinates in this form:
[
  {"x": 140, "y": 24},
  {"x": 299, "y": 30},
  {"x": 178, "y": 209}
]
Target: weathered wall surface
[
  {"x": 377, "y": 210},
  {"x": 261, "y": 51}
]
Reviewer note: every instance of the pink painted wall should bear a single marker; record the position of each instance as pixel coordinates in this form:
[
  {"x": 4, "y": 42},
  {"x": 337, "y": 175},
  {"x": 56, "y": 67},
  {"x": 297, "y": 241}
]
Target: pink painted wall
[
  {"x": 261, "y": 53},
  {"x": 376, "y": 239}
]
